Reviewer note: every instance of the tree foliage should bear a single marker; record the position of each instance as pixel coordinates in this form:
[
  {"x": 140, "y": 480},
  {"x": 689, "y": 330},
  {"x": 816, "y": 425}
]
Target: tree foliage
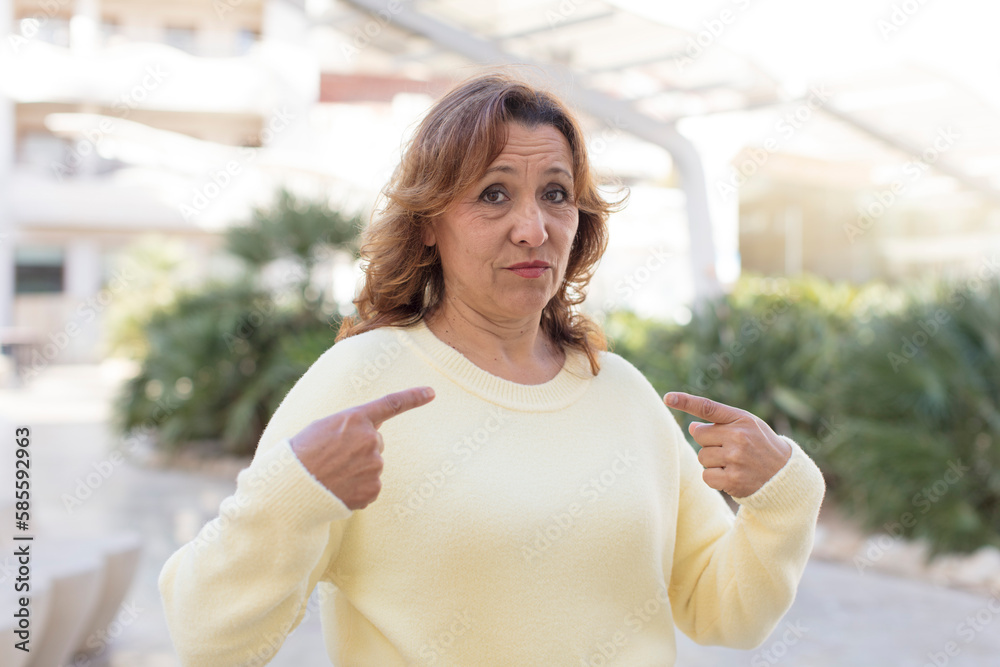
[{"x": 221, "y": 357}]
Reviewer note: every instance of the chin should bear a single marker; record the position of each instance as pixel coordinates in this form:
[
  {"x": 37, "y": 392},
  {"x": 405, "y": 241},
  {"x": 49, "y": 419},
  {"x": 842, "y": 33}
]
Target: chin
[
  {"x": 529, "y": 302},
  {"x": 528, "y": 309}
]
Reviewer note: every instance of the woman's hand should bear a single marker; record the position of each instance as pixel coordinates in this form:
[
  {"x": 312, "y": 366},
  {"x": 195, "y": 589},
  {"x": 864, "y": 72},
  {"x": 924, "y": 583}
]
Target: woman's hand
[
  {"x": 740, "y": 452},
  {"x": 344, "y": 450}
]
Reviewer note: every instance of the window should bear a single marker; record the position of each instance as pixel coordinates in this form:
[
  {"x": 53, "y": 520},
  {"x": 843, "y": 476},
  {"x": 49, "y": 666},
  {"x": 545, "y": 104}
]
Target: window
[
  {"x": 245, "y": 40},
  {"x": 183, "y": 38},
  {"x": 38, "y": 270},
  {"x": 40, "y": 150},
  {"x": 51, "y": 29}
]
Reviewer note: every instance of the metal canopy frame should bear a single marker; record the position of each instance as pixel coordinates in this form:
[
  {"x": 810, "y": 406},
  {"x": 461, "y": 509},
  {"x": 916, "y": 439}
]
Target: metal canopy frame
[{"x": 604, "y": 69}]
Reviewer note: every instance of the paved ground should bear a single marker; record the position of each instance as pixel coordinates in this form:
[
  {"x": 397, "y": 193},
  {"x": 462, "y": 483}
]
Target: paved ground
[{"x": 839, "y": 618}]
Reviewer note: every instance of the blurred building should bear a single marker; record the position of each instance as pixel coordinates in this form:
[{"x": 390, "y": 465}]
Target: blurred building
[
  {"x": 121, "y": 118},
  {"x": 89, "y": 88},
  {"x": 794, "y": 225},
  {"x": 916, "y": 201},
  {"x": 124, "y": 118}
]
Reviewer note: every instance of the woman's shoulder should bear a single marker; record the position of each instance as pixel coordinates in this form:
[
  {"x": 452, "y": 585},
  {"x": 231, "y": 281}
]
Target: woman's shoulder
[
  {"x": 619, "y": 368},
  {"x": 619, "y": 373},
  {"x": 372, "y": 338},
  {"x": 374, "y": 346}
]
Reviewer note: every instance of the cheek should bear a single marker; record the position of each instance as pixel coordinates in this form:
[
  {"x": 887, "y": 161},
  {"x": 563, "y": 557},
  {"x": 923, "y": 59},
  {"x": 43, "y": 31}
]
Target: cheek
[
  {"x": 482, "y": 246},
  {"x": 568, "y": 228},
  {"x": 474, "y": 253}
]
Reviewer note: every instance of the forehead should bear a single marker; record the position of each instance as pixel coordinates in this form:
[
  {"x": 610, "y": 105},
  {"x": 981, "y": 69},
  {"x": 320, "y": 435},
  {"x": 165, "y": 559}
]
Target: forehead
[{"x": 541, "y": 143}]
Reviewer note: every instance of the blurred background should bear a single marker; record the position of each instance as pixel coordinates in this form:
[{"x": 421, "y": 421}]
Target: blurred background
[{"x": 812, "y": 234}]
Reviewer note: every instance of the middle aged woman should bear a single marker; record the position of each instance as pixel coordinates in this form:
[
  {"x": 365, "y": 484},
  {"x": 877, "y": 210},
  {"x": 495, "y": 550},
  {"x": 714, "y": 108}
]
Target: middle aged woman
[{"x": 540, "y": 506}]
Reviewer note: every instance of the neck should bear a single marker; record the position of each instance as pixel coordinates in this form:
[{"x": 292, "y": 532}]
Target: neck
[{"x": 517, "y": 349}]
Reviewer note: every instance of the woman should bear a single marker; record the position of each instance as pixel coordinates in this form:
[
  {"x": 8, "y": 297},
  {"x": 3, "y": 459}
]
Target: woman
[{"x": 467, "y": 475}]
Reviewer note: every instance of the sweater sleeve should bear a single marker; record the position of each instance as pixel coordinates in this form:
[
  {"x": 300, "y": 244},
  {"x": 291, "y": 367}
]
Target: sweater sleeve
[
  {"x": 734, "y": 577},
  {"x": 233, "y": 594}
]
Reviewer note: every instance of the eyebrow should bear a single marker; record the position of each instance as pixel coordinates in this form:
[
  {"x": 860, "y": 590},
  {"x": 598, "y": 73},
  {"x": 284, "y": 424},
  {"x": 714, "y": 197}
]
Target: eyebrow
[{"x": 510, "y": 170}]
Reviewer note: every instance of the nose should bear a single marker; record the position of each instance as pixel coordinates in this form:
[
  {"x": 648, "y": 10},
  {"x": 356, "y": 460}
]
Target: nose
[{"x": 529, "y": 228}]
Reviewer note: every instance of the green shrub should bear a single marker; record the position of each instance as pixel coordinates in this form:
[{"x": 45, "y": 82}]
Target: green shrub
[
  {"x": 769, "y": 347},
  {"x": 921, "y": 399},
  {"x": 221, "y": 358},
  {"x": 828, "y": 365},
  {"x": 219, "y": 363}
]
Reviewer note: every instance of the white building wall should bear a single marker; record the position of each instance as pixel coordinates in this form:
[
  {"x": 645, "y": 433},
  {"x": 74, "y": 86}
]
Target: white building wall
[{"x": 6, "y": 165}]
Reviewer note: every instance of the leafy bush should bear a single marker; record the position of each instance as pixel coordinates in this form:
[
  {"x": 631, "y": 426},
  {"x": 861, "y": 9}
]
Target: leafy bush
[
  {"x": 770, "y": 347},
  {"x": 921, "y": 406},
  {"x": 220, "y": 358},
  {"x": 828, "y": 365}
]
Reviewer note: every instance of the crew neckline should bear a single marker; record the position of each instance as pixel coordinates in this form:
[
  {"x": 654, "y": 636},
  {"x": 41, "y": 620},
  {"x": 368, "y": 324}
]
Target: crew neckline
[{"x": 567, "y": 386}]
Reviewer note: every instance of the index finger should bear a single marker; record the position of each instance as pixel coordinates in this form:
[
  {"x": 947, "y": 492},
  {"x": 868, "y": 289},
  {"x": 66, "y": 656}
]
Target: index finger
[
  {"x": 703, "y": 408},
  {"x": 395, "y": 404}
]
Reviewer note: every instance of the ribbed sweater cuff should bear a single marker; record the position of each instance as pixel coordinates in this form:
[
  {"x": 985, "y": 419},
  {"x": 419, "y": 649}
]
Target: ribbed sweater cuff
[
  {"x": 279, "y": 481},
  {"x": 796, "y": 488}
]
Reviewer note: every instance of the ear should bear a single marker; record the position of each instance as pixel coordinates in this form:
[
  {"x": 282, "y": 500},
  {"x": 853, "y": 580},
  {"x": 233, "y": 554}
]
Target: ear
[{"x": 427, "y": 235}]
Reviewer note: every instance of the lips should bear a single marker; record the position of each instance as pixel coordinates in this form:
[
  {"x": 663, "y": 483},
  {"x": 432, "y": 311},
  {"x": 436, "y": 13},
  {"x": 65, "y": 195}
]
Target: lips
[
  {"x": 537, "y": 264},
  {"x": 529, "y": 269}
]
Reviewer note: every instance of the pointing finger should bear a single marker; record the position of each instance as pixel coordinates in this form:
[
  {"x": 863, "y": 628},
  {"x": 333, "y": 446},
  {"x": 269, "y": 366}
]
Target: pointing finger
[
  {"x": 395, "y": 404},
  {"x": 703, "y": 408}
]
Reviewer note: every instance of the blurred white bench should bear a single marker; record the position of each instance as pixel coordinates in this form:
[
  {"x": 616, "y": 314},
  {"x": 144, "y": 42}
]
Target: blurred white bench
[
  {"x": 41, "y": 601},
  {"x": 16, "y": 344},
  {"x": 77, "y": 586}
]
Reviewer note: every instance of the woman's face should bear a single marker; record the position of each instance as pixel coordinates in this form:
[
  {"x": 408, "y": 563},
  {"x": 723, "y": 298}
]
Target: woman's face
[{"x": 521, "y": 211}]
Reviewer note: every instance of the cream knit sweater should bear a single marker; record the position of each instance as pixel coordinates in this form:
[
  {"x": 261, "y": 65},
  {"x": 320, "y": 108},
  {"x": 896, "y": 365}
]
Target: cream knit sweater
[{"x": 564, "y": 523}]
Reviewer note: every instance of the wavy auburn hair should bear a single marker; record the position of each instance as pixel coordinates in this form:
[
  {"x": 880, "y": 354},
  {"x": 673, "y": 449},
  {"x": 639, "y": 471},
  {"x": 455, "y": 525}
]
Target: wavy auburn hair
[{"x": 454, "y": 145}]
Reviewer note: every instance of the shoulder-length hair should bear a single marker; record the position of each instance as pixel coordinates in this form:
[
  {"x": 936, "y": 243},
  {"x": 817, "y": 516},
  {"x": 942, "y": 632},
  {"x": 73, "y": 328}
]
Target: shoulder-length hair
[{"x": 454, "y": 145}]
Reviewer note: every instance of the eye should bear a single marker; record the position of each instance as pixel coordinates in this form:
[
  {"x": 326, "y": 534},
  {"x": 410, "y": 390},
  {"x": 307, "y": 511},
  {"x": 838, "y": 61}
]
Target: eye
[
  {"x": 557, "y": 195},
  {"x": 493, "y": 195}
]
